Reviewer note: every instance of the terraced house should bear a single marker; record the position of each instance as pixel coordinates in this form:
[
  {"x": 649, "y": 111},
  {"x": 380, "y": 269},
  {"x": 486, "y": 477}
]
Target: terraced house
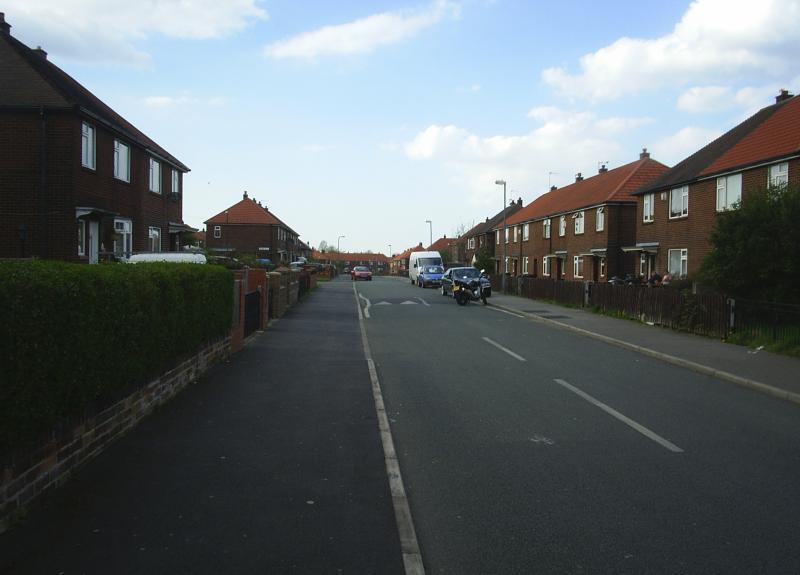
[
  {"x": 79, "y": 182},
  {"x": 578, "y": 232},
  {"x": 482, "y": 236},
  {"x": 677, "y": 212}
]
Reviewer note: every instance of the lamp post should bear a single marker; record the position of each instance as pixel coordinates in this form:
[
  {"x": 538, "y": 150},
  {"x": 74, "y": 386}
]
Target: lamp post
[
  {"x": 390, "y": 250},
  {"x": 337, "y": 242},
  {"x": 503, "y": 268},
  {"x": 430, "y": 230}
]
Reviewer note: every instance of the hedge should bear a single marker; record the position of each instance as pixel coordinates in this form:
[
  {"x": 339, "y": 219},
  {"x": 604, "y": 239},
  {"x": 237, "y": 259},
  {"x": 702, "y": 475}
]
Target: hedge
[{"x": 74, "y": 337}]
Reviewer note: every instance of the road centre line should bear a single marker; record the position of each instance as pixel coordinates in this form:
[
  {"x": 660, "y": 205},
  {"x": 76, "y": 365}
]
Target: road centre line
[
  {"x": 626, "y": 420},
  {"x": 409, "y": 545},
  {"x": 505, "y": 349},
  {"x": 369, "y": 303}
]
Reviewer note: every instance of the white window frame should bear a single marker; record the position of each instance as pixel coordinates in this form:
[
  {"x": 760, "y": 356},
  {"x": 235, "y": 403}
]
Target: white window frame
[
  {"x": 176, "y": 182},
  {"x": 506, "y": 266},
  {"x": 778, "y": 175},
  {"x": 546, "y": 229},
  {"x": 648, "y": 208},
  {"x": 81, "y": 237},
  {"x": 577, "y": 266},
  {"x": 124, "y": 228},
  {"x": 729, "y": 192},
  {"x": 497, "y": 237},
  {"x": 471, "y": 243},
  {"x": 682, "y": 257},
  {"x": 546, "y": 266},
  {"x": 122, "y": 161},
  {"x": 525, "y": 265},
  {"x": 155, "y": 176},
  {"x": 600, "y": 219},
  {"x": 579, "y": 223},
  {"x": 88, "y": 145},
  {"x": 562, "y": 226},
  {"x": 154, "y": 233},
  {"x": 602, "y": 267},
  {"x": 217, "y": 232},
  {"x": 683, "y": 199},
  {"x": 526, "y": 232},
  {"x": 516, "y": 233},
  {"x": 507, "y": 234}
]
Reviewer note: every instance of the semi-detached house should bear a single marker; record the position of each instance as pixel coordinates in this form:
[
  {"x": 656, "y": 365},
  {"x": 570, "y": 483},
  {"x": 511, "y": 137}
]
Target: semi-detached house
[
  {"x": 578, "y": 232},
  {"x": 677, "y": 212},
  {"x": 79, "y": 182}
]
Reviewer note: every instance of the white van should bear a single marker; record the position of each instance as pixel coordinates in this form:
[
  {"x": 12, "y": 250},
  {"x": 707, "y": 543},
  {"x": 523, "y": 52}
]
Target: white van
[
  {"x": 419, "y": 259},
  {"x": 177, "y": 257}
]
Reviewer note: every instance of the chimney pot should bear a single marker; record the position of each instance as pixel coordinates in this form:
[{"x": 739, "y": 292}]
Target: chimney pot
[
  {"x": 578, "y": 177},
  {"x": 519, "y": 201},
  {"x": 244, "y": 195},
  {"x": 782, "y": 96},
  {"x": 644, "y": 155},
  {"x": 5, "y": 27},
  {"x": 602, "y": 169}
]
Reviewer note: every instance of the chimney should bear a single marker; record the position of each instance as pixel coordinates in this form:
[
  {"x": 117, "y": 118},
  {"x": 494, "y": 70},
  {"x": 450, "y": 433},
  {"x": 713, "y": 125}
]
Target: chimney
[
  {"x": 602, "y": 169},
  {"x": 553, "y": 188},
  {"x": 41, "y": 53},
  {"x": 578, "y": 177},
  {"x": 782, "y": 96},
  {"x": 519, "y": 201},
  {"x": 5, "y": 27},
  {"x": 644, "y": 155},
  {"x": 244, "y": 195}
]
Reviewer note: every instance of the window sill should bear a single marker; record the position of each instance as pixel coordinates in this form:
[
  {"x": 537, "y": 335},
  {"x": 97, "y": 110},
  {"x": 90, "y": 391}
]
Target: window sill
[{"x": 681, "y": 217}]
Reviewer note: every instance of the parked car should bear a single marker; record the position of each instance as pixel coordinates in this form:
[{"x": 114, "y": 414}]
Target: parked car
[
  {"x": 361, "y": 273},
  {"x": 430, "y": 276},
  {"x": 467, "y": 276}
]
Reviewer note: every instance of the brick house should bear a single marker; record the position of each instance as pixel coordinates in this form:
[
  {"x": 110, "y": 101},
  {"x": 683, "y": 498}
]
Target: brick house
[
  {"x": 677, "y": 212},
  {"x": 249, "y": 228},
  {"x": 73, "y": 169},
  {"x": 578, "y": 232},
  {"x": 399, "y": 263},
  {"x": 451, "y": 250},
  {"x": 482, "y": 234}
]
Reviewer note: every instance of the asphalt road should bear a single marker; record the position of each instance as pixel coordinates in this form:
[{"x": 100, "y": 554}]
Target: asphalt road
[{"x": 527, "y": 449}]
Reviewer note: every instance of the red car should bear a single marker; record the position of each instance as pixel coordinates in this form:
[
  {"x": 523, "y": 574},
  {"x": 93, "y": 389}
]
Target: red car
[{"x": 361, "y": 273}]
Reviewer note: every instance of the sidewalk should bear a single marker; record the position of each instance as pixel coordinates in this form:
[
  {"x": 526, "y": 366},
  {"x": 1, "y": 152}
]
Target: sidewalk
[
  {"x": 766, "y": 372},
  {"x": 271, "y": 463}
]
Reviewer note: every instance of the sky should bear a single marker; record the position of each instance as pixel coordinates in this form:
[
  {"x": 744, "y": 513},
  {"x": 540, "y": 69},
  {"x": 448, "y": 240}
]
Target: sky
[{"x": 367, "y": 119}]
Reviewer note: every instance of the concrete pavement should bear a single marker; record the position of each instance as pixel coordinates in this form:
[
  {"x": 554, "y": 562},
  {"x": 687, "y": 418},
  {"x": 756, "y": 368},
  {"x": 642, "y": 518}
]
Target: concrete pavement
[{"x": 762, "y": 371}]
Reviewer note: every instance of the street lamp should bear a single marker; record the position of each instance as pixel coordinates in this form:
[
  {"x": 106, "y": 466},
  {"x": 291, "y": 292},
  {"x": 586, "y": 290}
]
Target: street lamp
[
  {"x": 430, "y": 229},
  {"x": 503, "y": 266},
  {"x": 337, "y": 242},
  {"x": 390, "y": 250}
]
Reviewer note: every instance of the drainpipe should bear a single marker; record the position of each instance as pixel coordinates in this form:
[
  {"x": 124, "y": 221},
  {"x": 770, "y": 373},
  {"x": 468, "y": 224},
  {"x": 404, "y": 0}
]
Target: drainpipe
[{"x": 46, "y": 233}]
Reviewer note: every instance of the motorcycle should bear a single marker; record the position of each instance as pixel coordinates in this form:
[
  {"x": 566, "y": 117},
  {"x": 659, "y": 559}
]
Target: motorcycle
[{"x": 472, "y": 289}]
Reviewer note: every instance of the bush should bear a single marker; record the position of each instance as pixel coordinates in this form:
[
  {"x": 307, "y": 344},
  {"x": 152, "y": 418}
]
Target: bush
[{"x": 73, "y": 337}]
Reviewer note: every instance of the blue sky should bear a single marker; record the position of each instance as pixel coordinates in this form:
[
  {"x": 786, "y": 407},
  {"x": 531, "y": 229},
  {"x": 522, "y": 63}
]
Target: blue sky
[{"x": 365, "y": 119}]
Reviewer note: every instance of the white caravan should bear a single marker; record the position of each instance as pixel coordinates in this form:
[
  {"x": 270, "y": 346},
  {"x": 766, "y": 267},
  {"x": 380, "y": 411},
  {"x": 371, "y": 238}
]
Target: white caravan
[{"x": 418, "y": 260}]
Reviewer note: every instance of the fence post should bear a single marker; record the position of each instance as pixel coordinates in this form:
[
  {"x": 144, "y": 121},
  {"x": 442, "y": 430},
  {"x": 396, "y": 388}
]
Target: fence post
[{"x": 732, "y": 321}]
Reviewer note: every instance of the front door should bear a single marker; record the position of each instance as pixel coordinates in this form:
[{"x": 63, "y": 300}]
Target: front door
[{"x": 94, "y": 241}]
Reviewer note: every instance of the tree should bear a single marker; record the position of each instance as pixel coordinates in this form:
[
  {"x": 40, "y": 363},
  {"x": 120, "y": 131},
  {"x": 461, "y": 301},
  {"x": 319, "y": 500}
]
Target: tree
[
  {"x": 754, "y": 247},
  {"x": 484, "y": 259}
]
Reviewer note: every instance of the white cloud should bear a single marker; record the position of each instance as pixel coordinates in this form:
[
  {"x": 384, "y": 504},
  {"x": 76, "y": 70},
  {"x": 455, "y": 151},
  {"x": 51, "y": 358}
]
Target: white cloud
[
  {"x": 704, "y": 99},
  {"x": 105, "y": 30},
  {"x": 683, "y": 143},
  {"x": 362, "y": 35},
  {"x": 715, "y": 40},
  {"x": 566, "y": 142}
]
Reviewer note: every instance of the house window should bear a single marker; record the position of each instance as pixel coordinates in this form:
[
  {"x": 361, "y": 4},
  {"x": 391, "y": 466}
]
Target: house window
[
  {"x": 577, "y": 266},
  {"x": 729, "y": 192},
  {"x": 546, "y": 228},
  {"x": 497, "y": 237},
  {"x": 155, "y": 176},
  {"x": 525, "y": 265},
  {"x": 545, "y": 266},
  {"x": 600, "y": 220},
  {"x": 578, "y": 216},
  {"x": 176, "y": 183},
  {"x": 779, "y": 175},
  {"x": 602, "y": 267},
  {"x": 506, "y": 268},
  {"x": 87, "y": 146},
  {"x": 679, "y": 202},
  {"x": 122, "y": 161},
  {"x": 562, "y": 226},
  {"x": 154, "y": 239},
  {"x": 516, "y": 233},
  {"x": 649, "y": 205},
  {"x": 678, "y": 262},
  {"x": 123, "y": 243},
  {"x": 217, "y": 231},
  {"x": 525, "y": 232},
  {"x": 643, "y": 264},
  {"x": 471, "y": 243},
  {"x": 81, "y": 237},
  {"x": 507, "y": 234}
]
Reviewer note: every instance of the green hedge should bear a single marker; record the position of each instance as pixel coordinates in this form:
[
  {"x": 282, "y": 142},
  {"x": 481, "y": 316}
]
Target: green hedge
[{"x": 74, "y": 337}]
